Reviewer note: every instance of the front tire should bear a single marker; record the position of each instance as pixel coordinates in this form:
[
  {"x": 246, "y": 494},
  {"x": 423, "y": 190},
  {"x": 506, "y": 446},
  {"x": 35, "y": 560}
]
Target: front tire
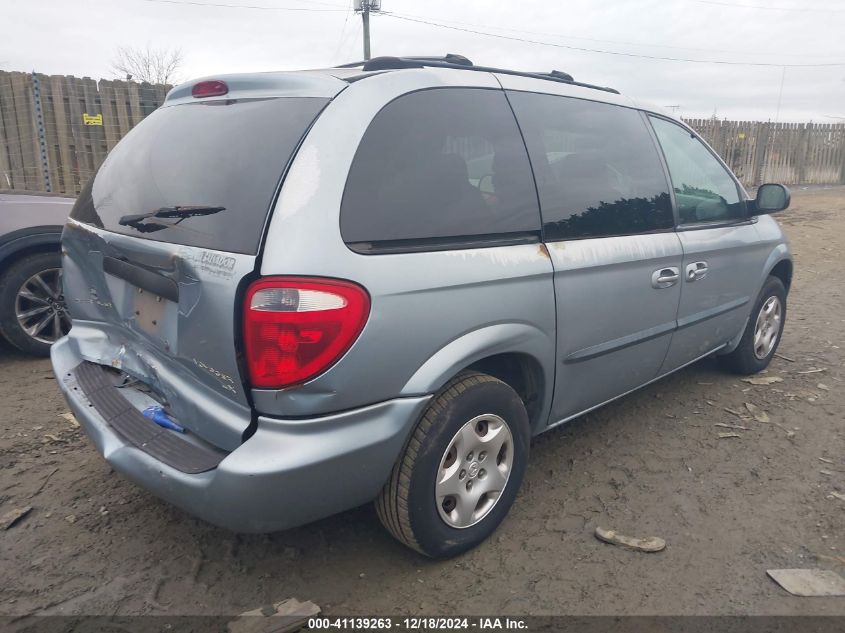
[
  {"x": 32, "y": 307},
  {"x": 763, "y": 331},
  {"x": 461, "y": 469}
]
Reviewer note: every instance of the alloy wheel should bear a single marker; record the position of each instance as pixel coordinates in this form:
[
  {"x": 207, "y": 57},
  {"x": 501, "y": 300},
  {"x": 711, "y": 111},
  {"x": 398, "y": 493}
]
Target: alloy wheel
[{"x": 40, "y": 306}]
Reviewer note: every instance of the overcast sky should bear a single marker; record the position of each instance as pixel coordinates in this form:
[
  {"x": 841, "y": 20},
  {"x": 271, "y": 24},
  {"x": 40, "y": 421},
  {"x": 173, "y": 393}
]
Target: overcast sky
[{"x": 81, "y": 38}]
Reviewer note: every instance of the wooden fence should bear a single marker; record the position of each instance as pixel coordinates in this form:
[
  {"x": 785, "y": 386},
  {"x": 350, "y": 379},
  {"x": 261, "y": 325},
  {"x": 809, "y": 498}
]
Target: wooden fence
[
  {"x": 56, "y": 130},
  {"x": 791, "y": 153}
]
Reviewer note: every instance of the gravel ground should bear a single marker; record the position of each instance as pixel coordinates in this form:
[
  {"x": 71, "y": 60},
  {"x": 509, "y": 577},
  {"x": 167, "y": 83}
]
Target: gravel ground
[{"x": 651, "y": 463}]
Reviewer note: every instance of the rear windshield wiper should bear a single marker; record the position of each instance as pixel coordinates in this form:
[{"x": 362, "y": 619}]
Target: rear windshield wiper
[{"x": 137, "y": 221}]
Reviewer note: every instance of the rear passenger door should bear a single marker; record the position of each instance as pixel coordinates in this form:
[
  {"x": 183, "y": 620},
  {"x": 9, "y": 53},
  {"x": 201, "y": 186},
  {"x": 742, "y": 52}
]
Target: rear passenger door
[
  {"x": 609, "y": 228},
  {"x": 722, "y": 258},
  {"x": 441, "y": 223}
]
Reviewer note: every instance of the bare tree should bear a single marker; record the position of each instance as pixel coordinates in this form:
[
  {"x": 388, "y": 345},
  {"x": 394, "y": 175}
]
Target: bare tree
[{"x": 153, "y": 65}]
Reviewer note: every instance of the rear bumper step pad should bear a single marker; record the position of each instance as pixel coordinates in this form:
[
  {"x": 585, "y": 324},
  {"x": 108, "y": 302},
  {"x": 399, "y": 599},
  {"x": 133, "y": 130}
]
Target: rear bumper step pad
[{"x": 164, "y": 445}]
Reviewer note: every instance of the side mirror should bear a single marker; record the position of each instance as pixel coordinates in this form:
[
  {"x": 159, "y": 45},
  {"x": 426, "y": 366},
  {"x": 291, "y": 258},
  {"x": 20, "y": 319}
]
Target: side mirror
[{"x": 771, "y": 198}]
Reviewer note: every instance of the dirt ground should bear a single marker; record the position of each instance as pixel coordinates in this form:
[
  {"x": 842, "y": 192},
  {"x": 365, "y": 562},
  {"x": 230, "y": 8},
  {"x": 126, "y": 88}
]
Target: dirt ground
[{"x": 649, "y": 464}]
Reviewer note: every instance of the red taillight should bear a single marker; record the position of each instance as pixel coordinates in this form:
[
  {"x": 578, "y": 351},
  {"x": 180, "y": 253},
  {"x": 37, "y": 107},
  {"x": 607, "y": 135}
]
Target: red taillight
[
  {"x": 212, "y": 88},
  {"x": 296, "y": 328}
]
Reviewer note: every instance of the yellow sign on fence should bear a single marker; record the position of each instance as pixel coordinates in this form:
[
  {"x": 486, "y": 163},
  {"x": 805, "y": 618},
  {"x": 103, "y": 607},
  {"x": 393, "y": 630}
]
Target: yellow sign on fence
[{"x": 92, "y": 119}]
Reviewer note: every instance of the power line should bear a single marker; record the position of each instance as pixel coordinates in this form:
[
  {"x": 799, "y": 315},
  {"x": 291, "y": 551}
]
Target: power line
[
  {"x": 605, "y": 52},
  {"x": 605, "y": 41},
  {"x": 735, "y": 5},
  {"x": 342, "y": 31},
  {"x": 247, "y": 6},
  {"x": 352, "y": 34},
  {"x": 780, "y": 93},
  {"x": 422, "y": 20}
]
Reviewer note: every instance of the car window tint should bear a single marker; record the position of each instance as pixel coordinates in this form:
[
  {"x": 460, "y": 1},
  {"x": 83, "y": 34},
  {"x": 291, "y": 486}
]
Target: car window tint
[
  {"x": 597, "y": 169},
  {"x": 438, "y": 165},
  {"x": 704, "y": 191},
  {"x": 200, "y": 174}
]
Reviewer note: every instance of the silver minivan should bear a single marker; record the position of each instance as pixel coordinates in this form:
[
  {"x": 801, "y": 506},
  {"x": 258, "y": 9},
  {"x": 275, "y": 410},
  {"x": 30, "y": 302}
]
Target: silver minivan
[{"x": 293, "y": 293}]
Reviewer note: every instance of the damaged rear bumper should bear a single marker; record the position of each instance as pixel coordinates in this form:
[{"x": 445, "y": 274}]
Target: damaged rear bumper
[{"x": 289, "y": 472}]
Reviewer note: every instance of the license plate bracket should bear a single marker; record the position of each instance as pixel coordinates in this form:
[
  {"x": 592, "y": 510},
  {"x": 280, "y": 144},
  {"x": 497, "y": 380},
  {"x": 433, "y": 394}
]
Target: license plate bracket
[{"x": 149, "y": 312}]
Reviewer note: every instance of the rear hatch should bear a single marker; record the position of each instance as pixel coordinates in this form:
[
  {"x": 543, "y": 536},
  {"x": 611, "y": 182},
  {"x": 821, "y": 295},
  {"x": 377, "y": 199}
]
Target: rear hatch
[{"x": 162, "y": 239}]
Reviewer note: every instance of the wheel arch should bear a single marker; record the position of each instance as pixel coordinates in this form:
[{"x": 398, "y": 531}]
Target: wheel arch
[
  {"x": 518, "y": 354},
  {"x": 23, "y": 242},
  {"x": 783, "y": 271},
  {"x": 524, "y": 374},
  {"x": 778, "y": 264}
]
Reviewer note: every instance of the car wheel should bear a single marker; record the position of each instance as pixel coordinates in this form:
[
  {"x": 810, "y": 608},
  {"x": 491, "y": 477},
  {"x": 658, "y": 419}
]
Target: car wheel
[
  {"x": 461, "y": 469},
  {"x": 33, "y": 314},
  {"x": 762, "y": 332}
]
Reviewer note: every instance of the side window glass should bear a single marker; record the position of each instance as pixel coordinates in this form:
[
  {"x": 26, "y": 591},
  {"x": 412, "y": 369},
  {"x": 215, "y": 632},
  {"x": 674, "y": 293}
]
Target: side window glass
[
  {"x": 445, "y": 164},
  {"x": 704, "y": 191},
  {"x": 597, "y": 168}
]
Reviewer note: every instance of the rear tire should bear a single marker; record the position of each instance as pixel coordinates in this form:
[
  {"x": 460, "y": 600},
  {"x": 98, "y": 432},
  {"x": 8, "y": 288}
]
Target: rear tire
[
  {"x": 44, "y": 298},
  {"x": 763, "y": 331},
  {"x": 472, "y": 414}
]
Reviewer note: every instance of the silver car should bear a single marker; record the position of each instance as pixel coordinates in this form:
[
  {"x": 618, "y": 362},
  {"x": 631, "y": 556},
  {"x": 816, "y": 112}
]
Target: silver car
[
  {"x": 294, "y": 293},
  {"x": 32, "y": 308}
]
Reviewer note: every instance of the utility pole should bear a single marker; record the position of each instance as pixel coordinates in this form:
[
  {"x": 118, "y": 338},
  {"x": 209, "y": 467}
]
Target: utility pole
[
  {"x": 365, "y": 16},
  {"x": 780, "y": 93},
  {"x": 365, "y": 7}
]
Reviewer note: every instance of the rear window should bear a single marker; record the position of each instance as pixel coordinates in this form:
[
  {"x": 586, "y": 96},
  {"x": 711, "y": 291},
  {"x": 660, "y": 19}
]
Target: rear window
[
  {"x": 440, "y": 167},
  {"x": 200, "y": 174}
]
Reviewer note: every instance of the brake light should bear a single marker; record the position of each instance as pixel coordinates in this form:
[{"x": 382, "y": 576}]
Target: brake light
[
  {"x": 212, "y": 88},
  {"x": 296, "y": 328}
]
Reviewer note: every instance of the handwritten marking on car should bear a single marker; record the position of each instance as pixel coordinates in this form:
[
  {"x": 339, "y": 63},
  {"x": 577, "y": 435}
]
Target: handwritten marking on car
[{"x": 225, "y": 380}]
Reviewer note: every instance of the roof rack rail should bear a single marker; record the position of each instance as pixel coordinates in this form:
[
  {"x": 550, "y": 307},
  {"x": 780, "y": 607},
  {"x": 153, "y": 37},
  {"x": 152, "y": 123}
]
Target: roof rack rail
[
  {"x": 406, "y": 62},
  {"x": 559, "y": 74},
  {"x": 460, "y": 62}
]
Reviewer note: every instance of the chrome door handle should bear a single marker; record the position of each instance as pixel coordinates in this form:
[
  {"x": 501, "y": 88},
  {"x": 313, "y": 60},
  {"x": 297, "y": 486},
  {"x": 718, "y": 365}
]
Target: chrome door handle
[
  {"x": 696, "y": 271},
  {"x": 665, "y": 277}
]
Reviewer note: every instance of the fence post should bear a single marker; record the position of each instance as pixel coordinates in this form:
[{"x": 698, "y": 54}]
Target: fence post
[
  {"x": 761, "y": 146},
  {"x": 39, "y": 125},
  {"x": 842, "y": 157},
  {"x": 5, "y": 162},
  {"x": 803, "y": 151}
]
